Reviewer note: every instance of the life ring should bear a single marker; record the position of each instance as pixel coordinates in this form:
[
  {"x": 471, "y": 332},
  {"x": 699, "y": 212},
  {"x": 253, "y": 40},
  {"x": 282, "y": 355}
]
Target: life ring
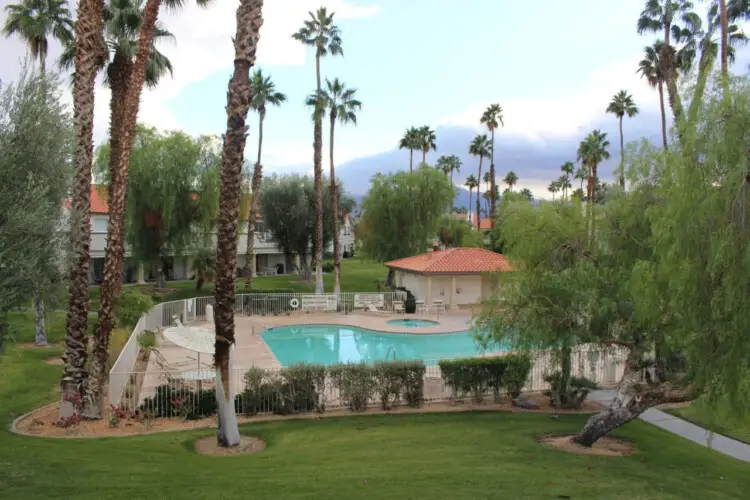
[{"x": 294, "y": 303}]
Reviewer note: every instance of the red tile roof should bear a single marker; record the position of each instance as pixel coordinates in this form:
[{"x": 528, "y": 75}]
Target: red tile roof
[
  {"x": 484, "y": 223},
  {"x": 453, "y": 261}
]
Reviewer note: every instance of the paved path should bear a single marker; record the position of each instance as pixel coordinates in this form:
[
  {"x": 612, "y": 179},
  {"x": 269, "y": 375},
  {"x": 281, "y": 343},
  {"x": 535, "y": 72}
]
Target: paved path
[{"x": 685, "y": 429}]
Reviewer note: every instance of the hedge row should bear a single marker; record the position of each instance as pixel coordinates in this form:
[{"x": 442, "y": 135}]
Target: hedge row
[{"x": 478, "y": 376}]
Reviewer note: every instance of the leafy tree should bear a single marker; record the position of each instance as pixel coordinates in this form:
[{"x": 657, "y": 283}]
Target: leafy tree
[
  {"x": 204, "y": 267},
  {"x": 454, "y": 232},
  {"x": 480, "y": 147},
  {"x": 321, "y": 33},
  {"x": 650, "y": 68},
  {"x": 511, "y": 179},
  {"x": 35, "y": 172},
  {"x": 526, "y": 193},
  {"x": 400, "y": 213},
  {"x": 264, "y": 93},
  {"x": 426, "y": 140},
  {"x": 622, "y": 104},
  {"x": 492, "y": 118},
  {"x": 34, "y": 21},
  {"x": 172, "y": 194},
  {"x": 410, "y": 141}
]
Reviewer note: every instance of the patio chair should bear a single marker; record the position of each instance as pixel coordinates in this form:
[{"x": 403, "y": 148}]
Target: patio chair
[
  {"x": 373, "y": 309},
  {"x": 421, "y": 308},
  {"x": 398, "y": 307}
]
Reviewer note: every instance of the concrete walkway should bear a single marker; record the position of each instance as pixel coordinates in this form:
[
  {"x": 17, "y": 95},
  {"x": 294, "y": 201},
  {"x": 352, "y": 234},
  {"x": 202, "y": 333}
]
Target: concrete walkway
[{"x": 685, "y": 429}]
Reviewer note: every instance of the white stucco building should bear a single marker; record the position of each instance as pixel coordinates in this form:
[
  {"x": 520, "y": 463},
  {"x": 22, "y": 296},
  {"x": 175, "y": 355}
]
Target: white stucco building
[{"x": 457, "y": 276}]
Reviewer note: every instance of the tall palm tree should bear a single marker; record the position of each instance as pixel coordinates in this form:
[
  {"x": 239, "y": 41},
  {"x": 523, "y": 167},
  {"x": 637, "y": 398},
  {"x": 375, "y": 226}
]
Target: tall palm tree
[
  {"x": 426, "y": 141},
  {"x": 239, "y": 101},
  {"x": 471, "y": 183},
  {"x": 492, "y": 118},
  {"x": 724, "y": 21},
  {"x": 659, "y": 16},
  {"x": 90, "y": 49},
  {"x": 511, "y": 179},
  {"x": 410, "y": 141},
  {"x": 553, "y": 188},
  {"x": 591, "y": 152},
  {"x": 622, "y": 104},
  {"x": 582, "y": 173},
  {"x": 449, "y": 164},
  {"x": 319, "y": 32},
  {"x": 264, "y": 93},
  {"x": 480, "y": 147},
  {"x": 34, "y": 21},
  {"x": 341, "y": 105},
  {"x": 563, "y": 183},
  {"x": 526, "y": 192},
  {"x": 650, "y": 68}
]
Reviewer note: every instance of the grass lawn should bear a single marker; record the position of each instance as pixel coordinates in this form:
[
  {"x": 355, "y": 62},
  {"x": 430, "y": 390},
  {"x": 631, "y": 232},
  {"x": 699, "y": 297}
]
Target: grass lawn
[
  {"x": 469, "y": 455},
  {"x": 357, "y": 275},
  {"x": 730, "y": 426}
]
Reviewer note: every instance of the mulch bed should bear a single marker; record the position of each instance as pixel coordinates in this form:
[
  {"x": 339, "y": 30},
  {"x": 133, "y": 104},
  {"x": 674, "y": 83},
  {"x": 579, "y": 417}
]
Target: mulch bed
[
  {"x": 607, "y": 446},
  {"x": 248, "y": 445}
]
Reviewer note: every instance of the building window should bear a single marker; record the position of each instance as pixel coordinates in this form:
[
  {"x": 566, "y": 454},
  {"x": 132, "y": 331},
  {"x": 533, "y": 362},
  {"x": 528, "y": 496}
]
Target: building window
[{"x": 99, "y": 225}]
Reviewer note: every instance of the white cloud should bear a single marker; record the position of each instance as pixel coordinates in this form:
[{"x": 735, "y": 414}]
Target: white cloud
[{"x": 564, "y": 115}]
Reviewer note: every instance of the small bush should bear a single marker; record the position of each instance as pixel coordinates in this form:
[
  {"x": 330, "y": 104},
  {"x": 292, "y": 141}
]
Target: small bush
[
  {"x": 571, "y": 396},
  {"x": 356, "y": 383},
  {"x": 410, "y": 304},
  {"x": 516, "y": 373},
  {"x": 299, "y": 388},
  {"x": 304, "y": 385},
  {"x": 131, "y": 305},
  {"x": 477, "y": 376},
  {"x": 182, "y": 402},
  {"x": 147, "y": 339},
  {"x": 388, "y": 384},
  {"x": 327, "y": 267}
]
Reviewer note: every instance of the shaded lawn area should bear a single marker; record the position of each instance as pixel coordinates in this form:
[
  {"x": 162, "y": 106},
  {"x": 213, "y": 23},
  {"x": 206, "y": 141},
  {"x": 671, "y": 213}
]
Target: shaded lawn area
[
  {"x": 467, "y": 455},
  {"x": 357, "y": 275},
  {"x": 723, "y": 423}
]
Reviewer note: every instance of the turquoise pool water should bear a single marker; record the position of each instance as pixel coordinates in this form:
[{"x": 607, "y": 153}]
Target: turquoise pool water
[
  {"x": 331, "y": 344},
  {"x": 412, "y": 322}
]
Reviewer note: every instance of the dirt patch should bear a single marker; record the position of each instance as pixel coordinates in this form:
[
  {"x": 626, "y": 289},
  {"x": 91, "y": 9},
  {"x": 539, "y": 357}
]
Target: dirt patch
[
  {"x": 248, "y": 445},
  {"x": 606, "y": 446},
  {"x": 32, "y": 345},
  {"x": 54, "y": 361},
  {"x": 159, "y": 291}
]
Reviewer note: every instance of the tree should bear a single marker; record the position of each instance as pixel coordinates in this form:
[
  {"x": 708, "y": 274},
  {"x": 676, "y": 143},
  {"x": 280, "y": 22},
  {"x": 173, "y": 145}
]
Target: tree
[
  {"x": 341, "y": 105},
  {"x": 511, "y": 179},
  {"x": 410, "y": 141},
  {"x": 492, "y": 118},
  {"x": 454, "y": 232},
  {"x": 172, "y": 194},
  {"x": 659, "y": 15},
  {"x": 480, "y": 147},
  {"x": 319, "y": 32},
  {"x": 204, "y": 267},
  {"x": 90, "y": 50},
  {"x": 553, "y": 188},
  {"x": 650, "y": 68},
  {"x": 581, "y": 174},
  {"x": 563, "y": 183},
  {"x": 471, "y": 183},
  {"x": 239, "y": 100},
  {"x": 426, "y": 140},
  {"x": 526, "y": 193},
  {"x": 567, "y": 169},
  {"x": 264, "y": 93},
  {"x": 35, "y": 173},
  {"x": 591, "y": 152},
  {"x": 34, "y": 21},
  {"x": 448, "y": 164},
  {"x": 400, "y": 213},
  {"x": 622, "y": 104}
]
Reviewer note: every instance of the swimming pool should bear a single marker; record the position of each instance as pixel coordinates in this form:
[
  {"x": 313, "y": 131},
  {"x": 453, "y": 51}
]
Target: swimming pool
[
  {"x": 331, "y": 344},
  {"x": 411, "y": 323}
]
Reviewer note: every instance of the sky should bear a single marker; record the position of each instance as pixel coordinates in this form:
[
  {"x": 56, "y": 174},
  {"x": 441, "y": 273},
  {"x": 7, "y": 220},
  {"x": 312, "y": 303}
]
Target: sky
[{"x": 421, "y": 62}]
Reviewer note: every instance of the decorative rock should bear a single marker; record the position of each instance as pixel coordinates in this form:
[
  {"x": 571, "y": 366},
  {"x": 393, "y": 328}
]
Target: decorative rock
[{"x": 525, "y": 402}]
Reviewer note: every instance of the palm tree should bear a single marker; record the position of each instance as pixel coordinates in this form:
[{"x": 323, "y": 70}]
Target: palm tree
[
  {"x": 34, "y": 21},
  {"x": 582, "y": 173},
  {"x": 264, "y": 93},
  {"x": 650, "y": 68},
  {"x": 471, "y": 183},
  {"x": 410, "y": 141},
  {"x": 659, "y": 15},
  {"x": 553, "y": 188},
  {"x": 426, "y": 141},
  {"x": 526, "y": 192},
  {"x": 492, "y": 117},
  {"x": 622, "y": 104},
  {"x": 449, "y": 164},
  {"x": 480, "y": 147},
  {"x": 340, "y": 104},
  {"x": 563, "y": 183},
  {"x": 319, "y": 32},
  {"x": 90, "y": 47},
  {"x": 591, "y": 152},
  {"x": 239, "y": 100},
  {"x": 511, "y": 179},
  {"x": 724, "y": 38}
]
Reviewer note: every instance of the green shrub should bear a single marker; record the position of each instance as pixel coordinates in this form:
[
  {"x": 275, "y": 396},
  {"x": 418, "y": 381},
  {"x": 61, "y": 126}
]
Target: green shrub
[
  {"x": 388, "y": 384},
  {"x": 131, "y": 305},
  {"x": 410, "y": 304},
  {"x": 251, "y": 396},
  {"x": 183, "y": 402},
  {"x": 295, "y": 389},
  {"x": 304, "y": 386},
  {"x": 413, "y": 383},
  {"x": 327, "y": 267},
  {"x": 570, "y": 395},
  {"x": 516, "y": 373},
  {"x": 477, "y": 376},
  {"x": 147, "y": 339},
  {"x": 355, "y": 382}
]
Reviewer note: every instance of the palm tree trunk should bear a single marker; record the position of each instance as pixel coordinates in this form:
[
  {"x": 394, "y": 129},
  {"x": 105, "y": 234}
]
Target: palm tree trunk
[
  {"x": 254, "y": 207},
  {"x": 622, "y": 157},
  {"x": 663, "y": 115},
  {"x": 335, "y": 217},
  {"x": 89, "y": 48},
  {"x": 318, "y": 186},
  {"x": 479, "y": 202},
  {"x": 724, "y": 38},
  {"x": 43, "y": 59},
  {"x": 115, "y": 252},
  {"x": 249, "y": 21},
  {"x": 675, "y": 103},
  {"x": 469, "y": 214},
  {"x": 411, "y": 160},
  {"x": 40, "y": 338},
  {"x": 492, "y": 182},
  {"x": 424, "y": 156}
]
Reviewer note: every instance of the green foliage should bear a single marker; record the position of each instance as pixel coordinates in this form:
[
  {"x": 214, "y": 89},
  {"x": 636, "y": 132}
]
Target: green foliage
[
  {"x": 327, "y": 267},
  {"x": 169, "y": 401},
  {"x": 147, "y": 339},
  {"x": 131, "y": 305},
  {"x": 356, "y": 383},
  {"x": 455, "y": 232},
  {"x": 294, "y": 389},
  {"x": 398, "y": 380},
  {"x": 400, "y": 213},
  {"x": 35, "y": 173},
  {"x": 410, "y": 304},
  {"x": 570, "y": 395},
  {"x": 204, "y": 266},
  {"x": 477, "y": 376}
]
